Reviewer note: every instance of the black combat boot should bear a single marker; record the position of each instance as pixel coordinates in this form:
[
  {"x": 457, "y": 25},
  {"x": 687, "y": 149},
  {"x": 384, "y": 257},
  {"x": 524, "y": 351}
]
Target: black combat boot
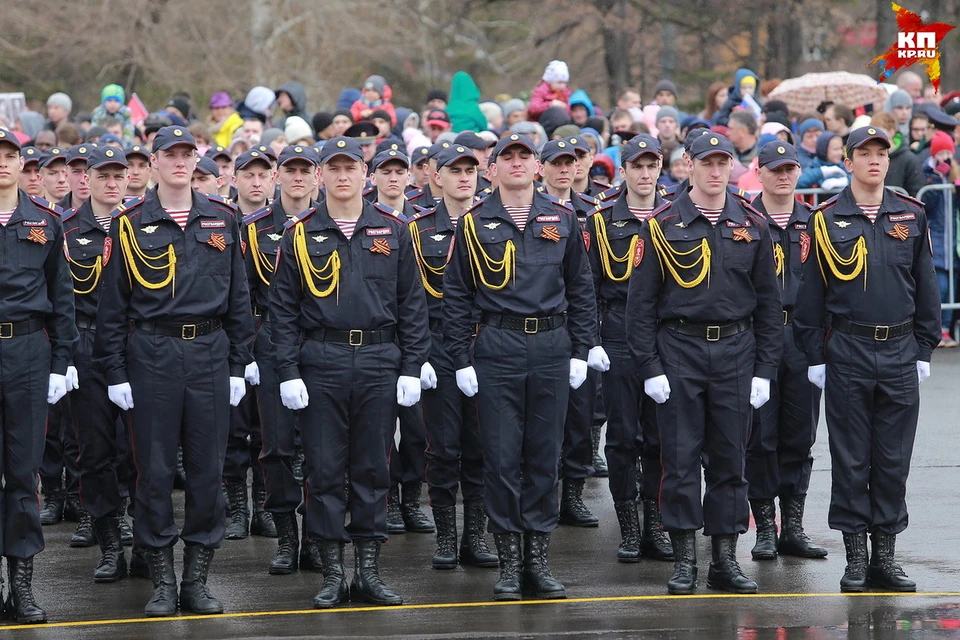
[
  {"x": 113, "y": 564},
  {"x": 285, "y": 562},
  {"x": 629, "y": 550},
  {"x": 599, "y": 464},
  {"x": 855, "y": 575},
  {"x": 367, "y": 585},
  {"x": 654, "y": 542},
  {"x": 139, "y": 563},
  {"x": 446, "y": 555},
  {"x": 394, "y": 517},
  {"x": 262, "y": 523},
  {"x": 21, "y": 606},
  {"x": 764, "y": 514},
  {"x": 793, "y": 540},
  {"x": 508, "y": 550},
  {"x": 414, "y": 520},
  {"x": 335, "y": 588},
  {"x": 537, "y": 578},
  {"x": 83, "y": 536},
  {"x": 572, "y": 510},
  {"x": 238, "y": 511},
  {"x": 684, "y": 578},
  {"x": 310, "y": 559},
  {"x": 194, "y": 595},
  {"x": 473, "y": 543},
  {"x": 72, "y": 510},
  {"x": 54, "y": 500},
  {"x": 126, "y": 531},
  {"x": 164, "y": 600},
  {"x": 884, "y": 571},
  {"x": 725, "y": 573}
]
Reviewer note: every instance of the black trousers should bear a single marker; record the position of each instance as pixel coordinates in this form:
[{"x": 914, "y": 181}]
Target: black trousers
[
  {"x": 576, "y": 453},
  {"x": 277, "y": 432},
  {"x": 524, "y": 386},
  {"x": 705, "y": 422},
  {"x": 244, "y": 442},
  {"x": 181, "y": 393},
  {"x": 95, "y": 420},
  {"x": 408, "y": 460},
  {"x": 24, "y": 381},
  {"x": 631, "y": 429},
  {"x": 454, "y": 455},
  {"x": 779, "y": 462},
  {"x": 872, "y": 406},
  {"x": 347, "y": 429},
  {"x": 61, "y": 448}
]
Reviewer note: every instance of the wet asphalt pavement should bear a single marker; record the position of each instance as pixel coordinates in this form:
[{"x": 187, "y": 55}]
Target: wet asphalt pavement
[{"x": 798, "y": 598}]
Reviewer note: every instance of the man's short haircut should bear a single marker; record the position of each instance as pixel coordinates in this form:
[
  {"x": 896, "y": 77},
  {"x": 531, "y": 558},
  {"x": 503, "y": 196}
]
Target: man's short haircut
[
  {"x": 842, "y": 112},
  {"x": 884, "y": 120},
  {"x": 623, "y": 92},
  {"x": 746, "y": 120}
]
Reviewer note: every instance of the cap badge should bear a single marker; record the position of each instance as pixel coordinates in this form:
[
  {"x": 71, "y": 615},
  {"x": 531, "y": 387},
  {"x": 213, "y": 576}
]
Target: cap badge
[
  {"x": 514, "y": 137},
  {"x": 82, "y": 149},
  {"x": 177, "y": 132},
  {"x": 298, "y": 149},
  {"x": 3, "y": 134},
  {"x": 108, "y": 153},
  {"x": 781, "y": 150},
  {"x": 562, "y": 144},
  {"x": 642, "y": 144},
  {"x": 714, "y": 141},
  {"x": 392, "y": 153},
  {"x": 460, "y": 150},
  {"x": 341, "y": 144},
  {"x": 871, "y": 131},
  {"x": 254, "y": 154},
  {"x": 573, "y": 141}
]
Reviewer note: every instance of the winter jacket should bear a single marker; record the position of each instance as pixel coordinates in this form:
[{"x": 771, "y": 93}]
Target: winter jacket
[
  {"x": 542, "y": 96},
  {"x": 580, "y": 97},
  {"x": 100, "y": 115},
  {"x": 813, "y": 176},
  {"x": 222, "y": 132},
  {"x": 362, "y": 105},
  {"x": 463, "y": 108},
  {"x": 298, "y": 96},
  {"x": 906, "y": 171},
  {"x": 734, "y": 98},
  {"x": 935, "y": 205}
]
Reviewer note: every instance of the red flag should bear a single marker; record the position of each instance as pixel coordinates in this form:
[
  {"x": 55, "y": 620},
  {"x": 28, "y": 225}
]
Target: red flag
[{"x": 138, "y": 110}]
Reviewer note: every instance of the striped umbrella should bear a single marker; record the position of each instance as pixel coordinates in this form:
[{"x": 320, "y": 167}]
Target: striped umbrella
[{"x": 803, "y": 94}]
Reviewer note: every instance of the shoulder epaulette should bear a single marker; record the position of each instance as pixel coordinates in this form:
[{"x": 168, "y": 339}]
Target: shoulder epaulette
[
  {"x": 256, "y": 215},
  {"x": 127, "y": 206},
  {"x": 368, "y": 190},
  {"x": 826, "y": 204},
  {"x": 222, "y": 201},
  {"x": 415, "y": 192},
  {"x": 47, "y": 205},
  {"x": 418, "y": 209},
  {"x": 483, "y": 193},
  {"x": 909, "y": 198},
  {"x": 567, "y": 206},
  {"x": 69, "y": 213},
  {"x": 603, "y": 205},
  {"x": 423, "y": 213},
  {"x": 663, "y": 207},
  {"x": 589, "y": 199},
  {"x": 473, "y": 206},
  {"x": 541, "y": 189},
  {"x": 609, "y": 193},
  {"x": 754, "y": 214},
  {"x": 389, "y": 212},
  {"x": 300, "y": 217},
  {"x": 600, "y": 183}
]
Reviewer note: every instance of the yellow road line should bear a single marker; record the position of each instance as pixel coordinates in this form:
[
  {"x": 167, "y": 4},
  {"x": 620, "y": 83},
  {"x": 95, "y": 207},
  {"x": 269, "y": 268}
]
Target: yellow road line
[{"x": 464, "y": 605}]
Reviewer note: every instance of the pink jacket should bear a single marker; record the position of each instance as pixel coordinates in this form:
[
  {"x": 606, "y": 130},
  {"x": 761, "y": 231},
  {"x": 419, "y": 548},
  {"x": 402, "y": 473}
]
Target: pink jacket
[{"x": 542, "y": 96}]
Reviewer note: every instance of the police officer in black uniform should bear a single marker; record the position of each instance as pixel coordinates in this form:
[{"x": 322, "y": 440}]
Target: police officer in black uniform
[
  {"x": 519, "y": 260},
  {"x": 454, "y": 455},
  {"x": 559, "y": 167},
  {"x": 615, "y": 251},
  {"x": 173, "y": 268},
  {"x": 706, "y": 289},
  {"x": 38, "y": 333},
  {"x": 95, "y": 418},
  {"x": 349, "y": 322},
  {"x": 784, "y": 429},
  {"x": 868, "y": 322}
]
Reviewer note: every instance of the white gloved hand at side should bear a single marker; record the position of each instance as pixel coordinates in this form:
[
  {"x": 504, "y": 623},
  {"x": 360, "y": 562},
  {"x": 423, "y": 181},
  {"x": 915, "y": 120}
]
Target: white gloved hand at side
[
  {"x": 252, "y": 374},
  {"x": 408, "y": 391},
  {"x": 238, "y": 389},
  {"x": 578, "y": 372},
  {"x": 759, "y": 392},
  {"x": 657, "y": 388},
  {"x": 923, "y": 370},
  {"x": 597, "y": 359},
  {"x": 467, "y": 381},
  {"x": 121, "y": 395},
  {"x": 428, "y": 377},
  {"x": 57, "y": 388},
  {"x": 817, "y": 375},
  {"x": 73, "y": 379},
  {"x": 293, "y": 394}
]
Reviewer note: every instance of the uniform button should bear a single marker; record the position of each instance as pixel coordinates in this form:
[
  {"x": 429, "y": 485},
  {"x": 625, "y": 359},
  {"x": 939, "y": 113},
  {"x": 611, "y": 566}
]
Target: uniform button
[{"x": 685, "y": 236}]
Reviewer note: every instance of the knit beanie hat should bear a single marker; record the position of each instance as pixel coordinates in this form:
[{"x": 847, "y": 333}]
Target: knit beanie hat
[
  {"x": 296, "y": 128},
  {"x": 806, "y": 125},
  {"x": 514, "y": 104},
  {"x": 556, "y": 71},
  {"x": 61, "y": 99},
  {"x": 941, "y": 142},
  {"x": 900, "y": 98},
  {"x": 322, "y": 120},
  {"x": 259, "y": 99},
  {"x": 668, "y": 111},
  {"x": 665, "y": 85},
  {"x": 113, "y": 92},
  {"x": 377, "y": 83}
]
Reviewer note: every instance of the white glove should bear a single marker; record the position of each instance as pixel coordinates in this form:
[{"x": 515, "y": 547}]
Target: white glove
[
  {"x": 467, "y": 381},
  {"x": 597, "y": 359},
  {"x": 830, "y": 171},
  {"x": 428, "y": 377},
  {"x": 238, "y": 389},
  {"x": 57, "y": 388},
  {"x": 121, "y": 395},
  {"x": 817, "y": 374},
  {"x": 657, "y": 388},
  {"x": 408, "y": 391},
  {"x": 759, "y": 392},
  {"x": 293, "y": 394},
  {"x": 923, "y": 370},
  {"x": 73, "y": 378},
  {"x": 834, "y": 184},
  {"x": 252, "y": 374},
  {"x": 578, "y": 372}
]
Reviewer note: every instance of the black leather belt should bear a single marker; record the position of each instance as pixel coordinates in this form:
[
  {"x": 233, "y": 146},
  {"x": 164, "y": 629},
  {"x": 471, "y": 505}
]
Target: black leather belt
[
  {"x": 260, "y": 312},
  {"x": 22, "y": 328},
  {"x": 186, "y": 331},
  {"x": 86, "y": 322},
  {"x": 787, "y": 316},
  {"x": 527, "y": 325},
  {"x": 709, "y": 332},
  {"x": 617, "y": 305},
  {"x": 353, "y": 337},
  {"x": 436, "y": 325},
  {"x": 879, "y": 332}
]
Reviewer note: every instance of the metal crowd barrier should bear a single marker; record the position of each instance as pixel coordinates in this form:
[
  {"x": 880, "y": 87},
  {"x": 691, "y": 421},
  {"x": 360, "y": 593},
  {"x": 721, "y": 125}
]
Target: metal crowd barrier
[{"x": 949, "y": 237}]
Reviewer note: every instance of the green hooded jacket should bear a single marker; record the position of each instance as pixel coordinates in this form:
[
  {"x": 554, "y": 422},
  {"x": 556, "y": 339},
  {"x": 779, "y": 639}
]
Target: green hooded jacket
[{"x": 463, "y": 107}]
